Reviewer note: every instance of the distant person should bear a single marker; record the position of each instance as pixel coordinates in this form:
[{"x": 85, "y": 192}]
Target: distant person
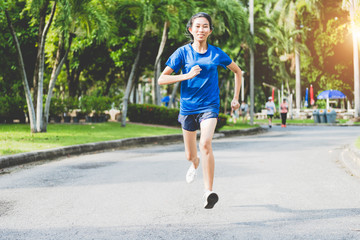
[
  {"x": 199, "y": 96},
  {"x": 271, "y": 109},
  {"x": 283, "y": 111},
  {"x": 244, "y": 109},
  {"x": 234, "y": 114}
]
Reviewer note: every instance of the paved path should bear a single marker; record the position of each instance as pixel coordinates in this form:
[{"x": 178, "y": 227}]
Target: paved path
[{"x": 284, "y": 184}]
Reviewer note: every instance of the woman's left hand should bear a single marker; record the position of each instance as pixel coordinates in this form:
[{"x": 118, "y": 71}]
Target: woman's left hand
[{"x": 235, "y": 104}]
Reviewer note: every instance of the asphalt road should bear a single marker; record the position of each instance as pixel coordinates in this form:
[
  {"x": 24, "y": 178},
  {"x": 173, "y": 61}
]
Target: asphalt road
[{"x": 283, "y": 184}]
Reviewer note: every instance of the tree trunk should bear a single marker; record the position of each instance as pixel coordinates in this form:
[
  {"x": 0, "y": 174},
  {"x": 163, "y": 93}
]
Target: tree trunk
[
  {"x": 298, "y": 81},
  {"x": 252, "y": 63},
  {"x": 157, "y": 66},
  {"x": 73, "y": 81},
  {"x": 32, "y": 117},
  {"x": 356, "y": 76},
  {"x": 109, "y": 83},
  {"x": 54, "y": 75},
  {"x": 356, "y": 63},
  {"x": 73, "y": 76},
  {"x": 129, "y": 83},
  {"x": 171, "y": 100},
  {"x": 42, "y": 22},
  {"x": 39, "y": 106}
]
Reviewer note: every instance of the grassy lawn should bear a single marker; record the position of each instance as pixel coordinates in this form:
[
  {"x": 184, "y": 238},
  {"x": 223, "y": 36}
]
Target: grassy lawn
[
  {"x": 17, "y": 138},
  {"x": 239, "y": 125}
]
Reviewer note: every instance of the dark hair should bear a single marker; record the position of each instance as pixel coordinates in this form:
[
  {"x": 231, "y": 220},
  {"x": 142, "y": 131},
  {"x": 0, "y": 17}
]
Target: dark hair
[{"x": 191, "y": 20}]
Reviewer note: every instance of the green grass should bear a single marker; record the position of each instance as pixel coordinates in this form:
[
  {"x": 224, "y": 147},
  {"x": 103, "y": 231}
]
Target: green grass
[
  {"x": 17, "y": 138},
  {"x": 357, "y": 143},
  {"x": 238, "y": 125}
]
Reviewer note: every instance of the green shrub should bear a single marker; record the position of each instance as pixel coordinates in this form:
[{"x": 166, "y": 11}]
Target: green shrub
[
  {"x": 101, "y": 104},
  {"x": 117, "y": 101},
  {"x": 4, "y": 106},
  {"x": 222, "y": 120},
  {"x": 70, "y": 104},
  {"x": 153, "y": 114},
  {"x": 57, "y": 107},
  {"x": 12, "y": 107},
  {"x": 93, "y": 103},
  {"x": 321, "y": 104},
  {"x": 86, "y": 105}
]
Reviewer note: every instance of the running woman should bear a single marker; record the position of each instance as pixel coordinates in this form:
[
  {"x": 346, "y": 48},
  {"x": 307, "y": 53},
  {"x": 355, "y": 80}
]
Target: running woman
[{"x": 200, "y": 100}]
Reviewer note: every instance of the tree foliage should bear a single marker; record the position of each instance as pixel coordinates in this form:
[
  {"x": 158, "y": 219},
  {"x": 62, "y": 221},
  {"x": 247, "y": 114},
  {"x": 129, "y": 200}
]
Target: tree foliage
[{"x": 106, "y": 35}]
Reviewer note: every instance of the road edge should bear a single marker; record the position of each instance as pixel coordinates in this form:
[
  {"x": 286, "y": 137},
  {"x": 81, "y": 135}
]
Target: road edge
[{"x": 56, "y": 153}]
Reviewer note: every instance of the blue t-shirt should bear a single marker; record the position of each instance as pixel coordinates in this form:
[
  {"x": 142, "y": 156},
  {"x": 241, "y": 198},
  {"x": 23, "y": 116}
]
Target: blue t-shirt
[{"x": 201, "y": 93}]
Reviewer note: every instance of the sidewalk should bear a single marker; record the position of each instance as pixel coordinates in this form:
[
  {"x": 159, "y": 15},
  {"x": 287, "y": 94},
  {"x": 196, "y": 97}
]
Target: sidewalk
[{"x": 50, "y": 154}]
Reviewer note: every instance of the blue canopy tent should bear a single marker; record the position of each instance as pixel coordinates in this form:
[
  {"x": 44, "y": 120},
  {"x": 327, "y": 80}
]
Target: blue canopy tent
[{"x": 331, "y": 94}]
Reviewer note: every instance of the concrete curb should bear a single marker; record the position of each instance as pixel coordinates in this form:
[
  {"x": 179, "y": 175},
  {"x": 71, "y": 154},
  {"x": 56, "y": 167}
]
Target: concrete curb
[
  {"x": 50, "y": 154},
  {"x": 350, "y": 159},
  {"x": 355, "y": 154}
]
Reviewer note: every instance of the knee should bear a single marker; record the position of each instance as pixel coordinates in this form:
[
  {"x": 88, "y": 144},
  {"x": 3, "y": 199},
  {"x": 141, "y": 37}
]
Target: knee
[
  {"x": 205, "y": 146},
  {"x": 190, "y": 157}
]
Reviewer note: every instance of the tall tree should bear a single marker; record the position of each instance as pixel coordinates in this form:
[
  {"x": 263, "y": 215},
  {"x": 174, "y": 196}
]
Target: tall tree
[
  {"x": 75, "y": 16},
  {"x": 68, "y": 20},
  {"x": 353, "y": 6},
  {"x": 289, "y": 18},
  {"x": 144, "y": 10},
  {"x": 35, "y": 120}
]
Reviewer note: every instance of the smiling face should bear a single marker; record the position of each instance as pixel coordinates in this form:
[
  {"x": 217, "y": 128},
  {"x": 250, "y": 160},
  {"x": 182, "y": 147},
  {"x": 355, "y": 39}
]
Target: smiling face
[{"x": 200, "y": 29}]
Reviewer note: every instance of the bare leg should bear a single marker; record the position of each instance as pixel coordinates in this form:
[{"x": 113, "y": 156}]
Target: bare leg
[
  {"x": 190, "y": 147},
  {"x": 207, "y": 157}
]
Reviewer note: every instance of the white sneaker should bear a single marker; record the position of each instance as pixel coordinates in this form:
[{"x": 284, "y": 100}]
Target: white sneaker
[
  {"x": 191, "y": 173},
  {"x": 211, "y": 199}
]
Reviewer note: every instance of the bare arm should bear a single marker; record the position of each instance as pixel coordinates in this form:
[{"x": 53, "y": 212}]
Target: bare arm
[
  {"x": 238, "y": 78},
  {"x": 167, "y": 78}
]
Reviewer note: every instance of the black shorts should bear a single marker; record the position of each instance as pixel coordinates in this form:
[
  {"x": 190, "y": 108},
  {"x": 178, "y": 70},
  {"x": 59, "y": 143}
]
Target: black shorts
[{"x": 192, "y": 122}]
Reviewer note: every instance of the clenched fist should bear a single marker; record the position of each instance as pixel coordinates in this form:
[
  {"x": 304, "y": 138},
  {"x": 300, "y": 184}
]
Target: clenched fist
[
  {"x": 195, "y": 70},
  {"x": 235, "y": 104}
]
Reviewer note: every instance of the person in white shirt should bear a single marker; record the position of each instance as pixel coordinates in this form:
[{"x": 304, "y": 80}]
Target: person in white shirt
[{"x": 271, "y": 109}]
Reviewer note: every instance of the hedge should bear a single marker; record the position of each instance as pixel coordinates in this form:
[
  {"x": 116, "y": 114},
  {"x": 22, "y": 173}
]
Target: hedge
[
  {"x": 153, "y": 114},
  {"x": 11, "y": 108}
]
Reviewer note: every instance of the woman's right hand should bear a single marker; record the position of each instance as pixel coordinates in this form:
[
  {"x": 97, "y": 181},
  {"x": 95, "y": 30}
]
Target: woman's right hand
[{"x": 195, "y": 70}]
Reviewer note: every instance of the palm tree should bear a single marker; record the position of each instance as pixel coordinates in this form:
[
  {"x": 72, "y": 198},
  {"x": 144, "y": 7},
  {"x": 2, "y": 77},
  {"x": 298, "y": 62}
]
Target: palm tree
[
  {"x": 353, "y": 6},
  {"x": 154, "y": 15},
  {"x": 231, "y": 21},
  {"x": 288, "y": 17},
  {"x": 75, "y": 16},
  {"x": 144, "y": 10},
  {"x": 282, "y": 51},
  {"x": 170, "y": 14}
]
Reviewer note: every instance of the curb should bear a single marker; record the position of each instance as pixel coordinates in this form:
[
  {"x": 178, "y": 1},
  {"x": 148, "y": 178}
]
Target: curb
[
  {"x": 350, "y": 159},
  {"x": 55, "y": 153}
]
